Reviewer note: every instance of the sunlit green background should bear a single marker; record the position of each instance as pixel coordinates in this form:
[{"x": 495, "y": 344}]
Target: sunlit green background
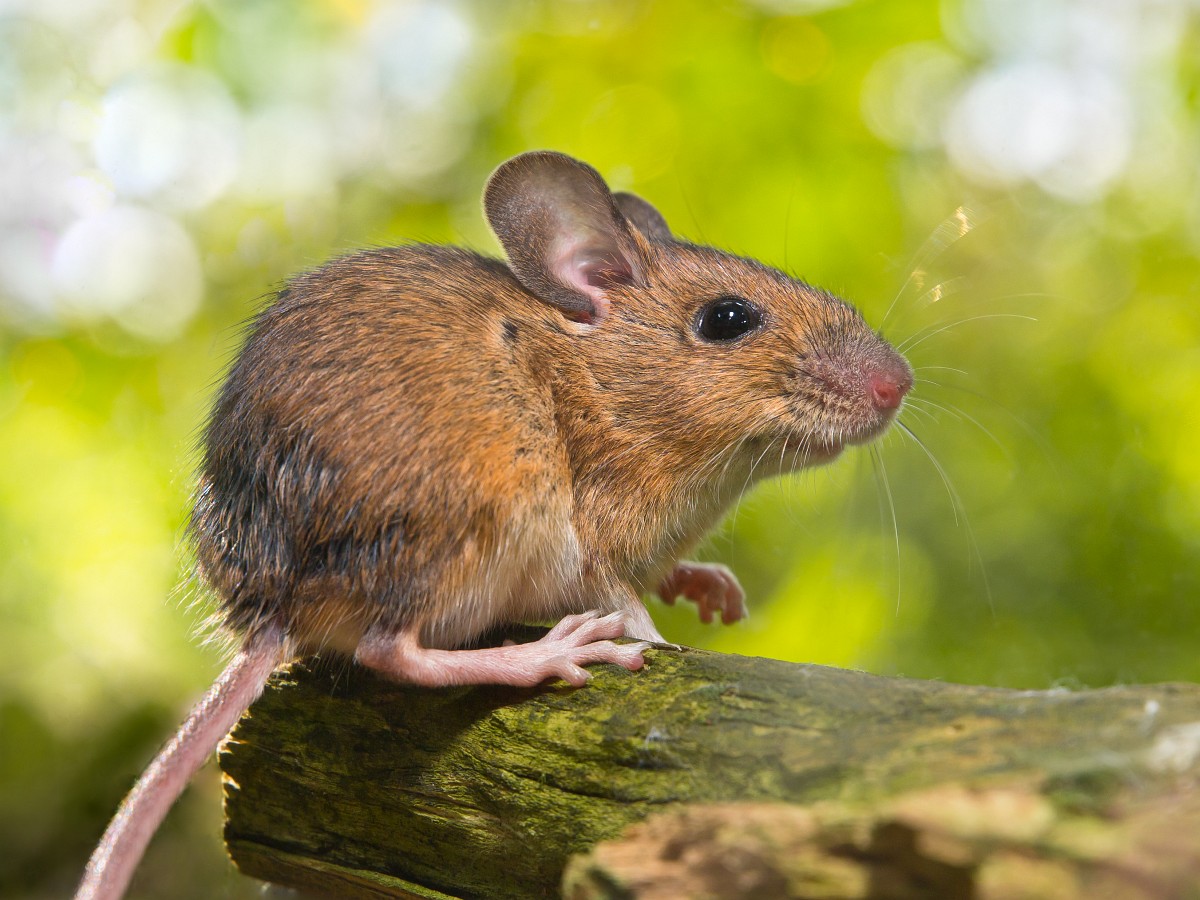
[{"x": 1017, "y": 180}]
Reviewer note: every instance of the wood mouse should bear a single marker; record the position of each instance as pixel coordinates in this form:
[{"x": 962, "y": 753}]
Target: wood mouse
[{"x": 418, "y": 444}]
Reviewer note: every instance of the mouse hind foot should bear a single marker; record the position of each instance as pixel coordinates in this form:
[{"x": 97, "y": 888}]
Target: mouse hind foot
[{"x": 573, "y": 643}]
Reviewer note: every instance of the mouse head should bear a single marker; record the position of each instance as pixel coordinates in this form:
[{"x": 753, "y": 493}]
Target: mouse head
[{"x": 707, "y": 350}]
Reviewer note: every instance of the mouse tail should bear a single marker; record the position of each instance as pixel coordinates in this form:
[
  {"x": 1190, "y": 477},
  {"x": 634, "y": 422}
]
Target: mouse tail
[{"x": 141, "y": 812}]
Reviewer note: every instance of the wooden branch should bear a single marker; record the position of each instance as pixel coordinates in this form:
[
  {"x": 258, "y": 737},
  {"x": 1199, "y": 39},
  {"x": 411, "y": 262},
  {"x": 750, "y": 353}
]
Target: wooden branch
[{"x": 344, "y": 784}]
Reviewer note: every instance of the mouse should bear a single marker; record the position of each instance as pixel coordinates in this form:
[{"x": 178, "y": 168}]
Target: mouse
[{"x": 417, "y": 445}]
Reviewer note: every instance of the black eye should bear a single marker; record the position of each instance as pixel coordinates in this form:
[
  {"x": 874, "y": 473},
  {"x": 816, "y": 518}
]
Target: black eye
[{"x": 727, "y": 319}]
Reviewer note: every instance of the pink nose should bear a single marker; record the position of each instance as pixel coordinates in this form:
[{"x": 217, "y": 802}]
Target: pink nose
[{"x": 887, "y": 392}]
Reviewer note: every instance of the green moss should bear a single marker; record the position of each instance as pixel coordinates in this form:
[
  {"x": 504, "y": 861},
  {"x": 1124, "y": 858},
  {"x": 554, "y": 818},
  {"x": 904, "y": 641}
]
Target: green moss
[{"x": 489, "y": 791}]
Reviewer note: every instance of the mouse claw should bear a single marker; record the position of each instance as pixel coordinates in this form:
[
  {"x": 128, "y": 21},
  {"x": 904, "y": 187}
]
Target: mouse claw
[{"x": 637, "y": 649}]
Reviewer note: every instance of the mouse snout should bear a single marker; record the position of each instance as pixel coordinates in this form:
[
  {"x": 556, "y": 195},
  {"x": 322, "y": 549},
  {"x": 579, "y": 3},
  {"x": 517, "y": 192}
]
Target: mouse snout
[
  {"x": 887, "y": 388},
  {"x": 871, "y": 378}
]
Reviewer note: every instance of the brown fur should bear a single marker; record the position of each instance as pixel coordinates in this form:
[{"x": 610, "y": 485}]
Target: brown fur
[
  {"x": 411, "y": 438},
  {"x": 418, "y": 444}
]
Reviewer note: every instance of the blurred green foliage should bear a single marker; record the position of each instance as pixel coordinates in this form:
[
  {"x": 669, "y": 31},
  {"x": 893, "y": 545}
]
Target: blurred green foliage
[{"x": 1034, "y": 240}]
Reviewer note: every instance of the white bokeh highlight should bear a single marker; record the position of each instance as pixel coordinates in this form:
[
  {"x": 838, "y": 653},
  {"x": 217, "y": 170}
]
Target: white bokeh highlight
[
  {"x": 419, "y": 50},
  {"x": 135, "y": 266},
  {"x": 113, "y": 159},
  {"x": 1070, "y": 132},
  {"x": 288, "y": 152},
  {"x": 1064, "y": 95},
  {"x": 171, "y": 135}
]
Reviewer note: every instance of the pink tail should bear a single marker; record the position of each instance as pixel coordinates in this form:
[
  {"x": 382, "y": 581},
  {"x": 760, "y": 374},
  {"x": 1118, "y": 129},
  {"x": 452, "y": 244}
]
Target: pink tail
[{"x": 119, "y": 851}]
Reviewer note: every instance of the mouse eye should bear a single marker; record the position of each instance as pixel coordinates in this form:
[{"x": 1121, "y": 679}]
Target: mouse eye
[{"x": 727, "y": 319}]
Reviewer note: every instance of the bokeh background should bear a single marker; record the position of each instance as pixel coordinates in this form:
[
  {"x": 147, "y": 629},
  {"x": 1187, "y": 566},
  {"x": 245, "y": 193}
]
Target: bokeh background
[{"x": 1010, "y": 187}]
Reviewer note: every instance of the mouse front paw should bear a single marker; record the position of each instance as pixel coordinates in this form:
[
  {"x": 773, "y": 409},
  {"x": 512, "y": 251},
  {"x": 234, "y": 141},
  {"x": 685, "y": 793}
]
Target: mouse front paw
[{"x": 710, "y": 586}]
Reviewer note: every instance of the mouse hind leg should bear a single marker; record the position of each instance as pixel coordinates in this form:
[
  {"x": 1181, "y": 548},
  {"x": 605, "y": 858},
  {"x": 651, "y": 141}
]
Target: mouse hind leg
[{"x": 573, "y": 643}]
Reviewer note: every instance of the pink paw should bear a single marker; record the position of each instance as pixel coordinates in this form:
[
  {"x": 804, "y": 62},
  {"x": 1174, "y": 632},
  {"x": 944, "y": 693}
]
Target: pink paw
[
  {"x": 580, "y": 640},
  {"x": 712, "y": 587}
]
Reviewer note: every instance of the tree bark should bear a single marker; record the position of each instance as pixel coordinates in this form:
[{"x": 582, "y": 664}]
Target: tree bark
[{"x": 341, "y": 783}]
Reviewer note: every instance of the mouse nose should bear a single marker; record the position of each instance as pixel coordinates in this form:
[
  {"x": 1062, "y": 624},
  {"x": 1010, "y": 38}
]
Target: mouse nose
[{"x": 887, "y": 391}]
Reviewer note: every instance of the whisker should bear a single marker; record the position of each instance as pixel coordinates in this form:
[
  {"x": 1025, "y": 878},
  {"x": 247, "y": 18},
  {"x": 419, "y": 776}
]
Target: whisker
[
  {"x": 963, "y": 372},
  {"x": 730, "y": 453},
  {"x": 881, "y": 470},
  {"x": 956, "y": 506},
  {"x": 916, "y": 410},
  {"x": 962, "y": 415},
  {"x": 687, "y": 204},
  {"x": 940, "y": 291},
  {"x": 1039, "y": 440},
  {"x": 929, "y": 408},
  {"x": 750, "y": 476},
  {"x": 787, "y": 222},
  {"x": 951, "y": 229},
  {"x": 908, "y": 345},
  {"x": 950, "y": 491}
]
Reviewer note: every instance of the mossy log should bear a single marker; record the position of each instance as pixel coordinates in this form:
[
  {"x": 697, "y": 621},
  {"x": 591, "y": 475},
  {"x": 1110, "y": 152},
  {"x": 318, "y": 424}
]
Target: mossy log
[{"x": 343, "y": 784}]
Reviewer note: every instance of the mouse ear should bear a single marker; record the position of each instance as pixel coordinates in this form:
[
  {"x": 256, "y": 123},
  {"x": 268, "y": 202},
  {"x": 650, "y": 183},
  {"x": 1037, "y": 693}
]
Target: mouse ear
[
  {"x": 645, "y": 218},
  {"x": 566, "y": 240}
]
